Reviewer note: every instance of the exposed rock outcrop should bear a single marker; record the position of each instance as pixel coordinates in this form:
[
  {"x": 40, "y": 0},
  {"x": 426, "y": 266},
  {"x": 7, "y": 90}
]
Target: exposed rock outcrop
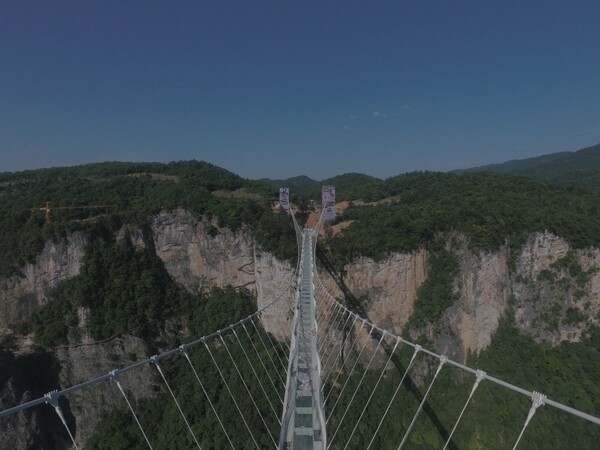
[
  {"x": 389, "y": 285},
  {"x": 554, "y": 291},
  {"x": 79, "y": 364},
  {"x": 274, "y": 284},
  {"x": 483, "y": 289},
  {"x": 196, "y": 254},
  {"x": 22, "y": 294}
]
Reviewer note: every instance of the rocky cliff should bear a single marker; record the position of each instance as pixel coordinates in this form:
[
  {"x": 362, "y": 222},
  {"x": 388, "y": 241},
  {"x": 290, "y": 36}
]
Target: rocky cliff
[
  {"x": 22, "y": 294},
  {"x": 389, "y": 287},
  {"x": 82, "y": 363},
  {"x": 556, "y": 289},
  {"x": 195, "y": 253},
  {"x": 198, "y": 255},
  {"x": 553, "y": 290}
]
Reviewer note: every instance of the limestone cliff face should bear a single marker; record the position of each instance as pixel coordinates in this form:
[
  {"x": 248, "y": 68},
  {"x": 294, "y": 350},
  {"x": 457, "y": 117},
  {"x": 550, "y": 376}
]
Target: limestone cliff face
[
  {"x": 273, "y": 283},
  {"x": 198, "y": 255},
  {"x": 483, "y": 288},
  {"x": 83, "y": 409},
  {"x": 22, "y": 294},
  {"x": 556, "y": 290},
  {"x": 79, "y": 364},
  {"x": 553, "y": 290},
  {"x": 389, "y": 285},
  {"x": 195, "y": 253}
]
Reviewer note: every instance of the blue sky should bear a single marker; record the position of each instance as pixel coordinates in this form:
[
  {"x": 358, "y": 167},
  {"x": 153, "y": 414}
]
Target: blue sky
[{"x": 277, "y": 89}]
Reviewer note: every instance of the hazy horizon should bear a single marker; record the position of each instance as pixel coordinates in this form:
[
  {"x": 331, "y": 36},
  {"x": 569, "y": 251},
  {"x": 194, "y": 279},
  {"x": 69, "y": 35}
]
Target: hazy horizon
[
  {"x": 306, "y": 175},
  {"x": 274, "y": 90}
]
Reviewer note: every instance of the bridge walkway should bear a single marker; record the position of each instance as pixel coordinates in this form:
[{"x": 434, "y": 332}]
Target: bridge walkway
[{"x": 303, "y": 422}]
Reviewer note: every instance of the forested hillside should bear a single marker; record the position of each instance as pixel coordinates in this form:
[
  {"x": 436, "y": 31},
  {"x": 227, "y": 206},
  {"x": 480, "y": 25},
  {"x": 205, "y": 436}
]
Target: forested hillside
[
  {"x": 489, "y": 209},
  {"x": 580, "y": 168},
  {"x": 295, "y": 184},
  {"x": 577, "y": 169},
  {"x": 109, "y": 195}
]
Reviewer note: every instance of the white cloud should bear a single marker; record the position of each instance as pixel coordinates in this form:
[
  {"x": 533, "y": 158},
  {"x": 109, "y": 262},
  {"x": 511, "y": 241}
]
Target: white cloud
[
  {"x": 411, "y": 108},
  {"x": 376, "y": 114}
]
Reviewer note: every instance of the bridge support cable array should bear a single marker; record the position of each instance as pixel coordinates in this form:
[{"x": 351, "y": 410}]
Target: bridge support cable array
[
  {"x": 336, "y": 349},
  {"x": 375, "y": 333},
  {"x": 329, "y": 341},
  {"x": 443, "y": 360},
  {"x": 358, "y": 387},
  {"x": 349, "y": 376},
  {"x": 398, "y": 386},
  {"x": 368, "y": 402},
  {"x": 262, "y": 363},
  {"x": 537, "y": 400},
  {"x": 187, "y": 424},
  {"x": 212, "y": 407},
  {"x": 257, "y": 378},
  {"x": 278, "y": 360},
  {"x": 260, "y": 414},
  {"x": 343, "y": 360},
  {"x": 480, "y": 374},
  {"x": 303, "y": 422},
  {"x": 261, "y": 355},
  {"x": 264, "y": 346},
  {"x": 237, "y": 407},
  {"x": 115, "y": 375}
]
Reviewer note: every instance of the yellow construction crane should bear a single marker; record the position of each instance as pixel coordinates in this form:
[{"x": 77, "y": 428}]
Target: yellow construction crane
[{"x": 47, "y": 208}]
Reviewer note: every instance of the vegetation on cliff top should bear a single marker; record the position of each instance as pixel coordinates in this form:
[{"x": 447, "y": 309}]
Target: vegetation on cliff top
[
  {"x": 134, "y": 192},
  {"x": 489, "y": 209}
]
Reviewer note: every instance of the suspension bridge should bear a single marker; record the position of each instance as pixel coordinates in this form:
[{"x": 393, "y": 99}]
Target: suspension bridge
[{"x": 339, "y": 382}]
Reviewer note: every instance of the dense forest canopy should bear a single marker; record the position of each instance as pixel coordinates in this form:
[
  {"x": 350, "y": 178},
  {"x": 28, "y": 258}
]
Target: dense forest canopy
[
  {"x": 580, "y": 168},
  {"x": 127, "y": 193},
  {"x": 490, "y": 209}
]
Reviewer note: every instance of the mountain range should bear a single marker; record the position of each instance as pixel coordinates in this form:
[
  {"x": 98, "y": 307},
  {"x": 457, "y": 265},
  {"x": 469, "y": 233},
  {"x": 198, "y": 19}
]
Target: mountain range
[{"x": 570, "y": 168}]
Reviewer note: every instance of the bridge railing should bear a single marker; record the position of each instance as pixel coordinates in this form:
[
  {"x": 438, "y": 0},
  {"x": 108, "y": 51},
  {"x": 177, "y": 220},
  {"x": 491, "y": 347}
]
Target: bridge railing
[
  {"x": 377, "y": 333},
  {"x": 242, "y": 328}
]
